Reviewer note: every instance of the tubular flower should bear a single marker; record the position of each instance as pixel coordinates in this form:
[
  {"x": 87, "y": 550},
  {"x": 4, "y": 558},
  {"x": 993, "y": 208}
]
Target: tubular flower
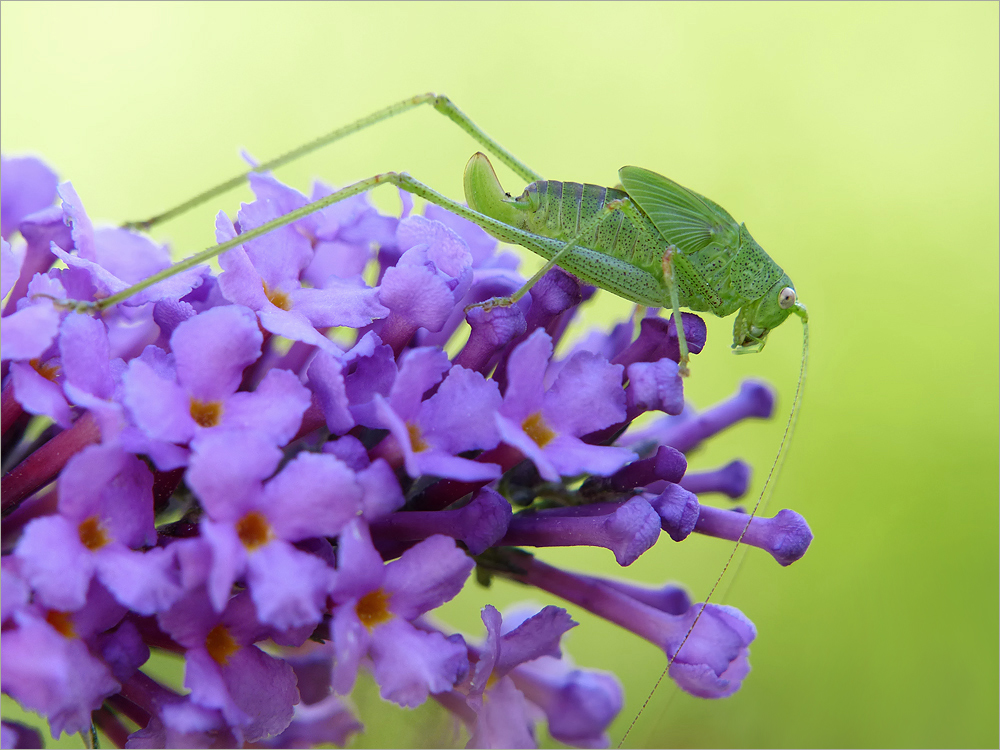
[{"x": 280, "y": 472}]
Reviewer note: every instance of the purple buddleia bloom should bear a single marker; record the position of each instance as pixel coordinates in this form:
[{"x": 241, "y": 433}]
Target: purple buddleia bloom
[
  {"x": 276, "y": 473},
  {"x": 546, "y": 424},
  {"x": 375, "y": 603}
]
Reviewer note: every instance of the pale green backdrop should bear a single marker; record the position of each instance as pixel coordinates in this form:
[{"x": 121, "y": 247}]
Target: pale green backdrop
[{"x": 858, "y": 142}]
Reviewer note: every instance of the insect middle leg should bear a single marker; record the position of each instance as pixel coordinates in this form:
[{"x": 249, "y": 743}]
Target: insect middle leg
[{"x": 670, "y": 279}]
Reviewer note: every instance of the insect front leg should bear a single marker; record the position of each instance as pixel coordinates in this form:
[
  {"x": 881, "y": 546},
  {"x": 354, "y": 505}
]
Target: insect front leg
[{"x": 670, "y": 279}]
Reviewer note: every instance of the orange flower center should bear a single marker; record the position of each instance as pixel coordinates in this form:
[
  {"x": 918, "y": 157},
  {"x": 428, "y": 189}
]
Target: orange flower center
[
  {"x": 61, "y": 622},
  {"x": 417, "y": 441},
  {"x": 254, "y": 530},
  {"x": 278, "y": 298},
  {"x": 220, "y": 644},
  {"x": 92, "y": 533},
  {"x": 373, "y": 608},
  {"x": 538, "y": 429},
  {"x": 206, "y": 413}
]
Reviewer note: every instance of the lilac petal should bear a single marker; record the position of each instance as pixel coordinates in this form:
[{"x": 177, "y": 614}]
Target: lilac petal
[
  {"x": 417, "y": 295},
  {"x": 28, "y": 332},
  {"x": 203, "y": 677},
  {"x": 282, "y": 253},
  {"x": 129, "y": 256},
  {"x": 146, "y": 582},
  {"x": 28, "y": 186},
  {"x": 339, "y": 303},
  {"x": 409, "y": 663},
  {"x": 295, "y": 326},
  {"x": 381, "y": 491},
  {"x": 419, "y": 370},
  {"x": 104, "y": 282},
  {"x": 571, "y": 456},
  {"x": 699, "y": 679},
  {"x": 288, "y": 587},
  {"x": 426, "y": 576},
  {"x": 437, "y": 463},
  {"x": 117, "y": 486},
  {"x": 239, "y": 282},
  {"x": 537, "y": 636},
  {"x": 14, "y": 590},
  {"x": 326, "y": 722},
  {"x": 525, "y": 376},
  {"x": 55, "y": 562},
  {"x": 585, "y": 379},
  {"x": 10, "y": 268},
  {"x": 226, "y": 469},
  {"x": 326, "y": 381},
  {"x": 86, "y": 354},
  {"x": 80, "y": 225},
  {"x": 386, "y": 418},
  {"x": 351, "y": 640},
  {"x": 503, "y": 719},
  {"x": 160, "y": 407},
  {"x": 459, "y": 417},
  {"x": 213, "y": 348},
  {"x": 38, "y": 395},
  {"x": 314, "y": 495},
  {"x": 229, "y": 560},
  {"x": 274, "y": 409},
  {"x": 360, "y": 569},
  {"x": 336, "y": 260},
  {"x": 170, "y": 313},
  {"x": 445, "y": 248},
  {"x": 481, "y": 245},
  {"x": 53, "y": 675},
  {"x": 372, "y": 370}
]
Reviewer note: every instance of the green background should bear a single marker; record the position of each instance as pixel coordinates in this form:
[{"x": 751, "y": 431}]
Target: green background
[{"x": 858, "y": 142}]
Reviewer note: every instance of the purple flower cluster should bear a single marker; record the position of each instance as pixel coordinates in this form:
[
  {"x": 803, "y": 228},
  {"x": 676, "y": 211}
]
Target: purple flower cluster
[{"x": 277, "y": 472}]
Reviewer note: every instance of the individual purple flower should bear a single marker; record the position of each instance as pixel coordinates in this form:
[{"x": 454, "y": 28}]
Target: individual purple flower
[
  {"x": 264, "y": 276},
  {"x": 375, "y": 603},
  {"x": 458, "y": 418},
  {"x": 48, "y": 667},
  {"x": 174, "y": 398},
  {"x": 546, "y": 424},
  {"x": 422, "y": 289},
  {"x": 105, "y": 511},
  {"x": 223, "y": 668},
  {"x": 251, "y": 526},
  {"x": 114, "y": 259}
]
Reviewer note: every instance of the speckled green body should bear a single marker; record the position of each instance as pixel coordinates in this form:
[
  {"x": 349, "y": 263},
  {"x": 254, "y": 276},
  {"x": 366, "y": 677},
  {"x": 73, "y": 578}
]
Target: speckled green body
[{"x": 623, "y": 236}]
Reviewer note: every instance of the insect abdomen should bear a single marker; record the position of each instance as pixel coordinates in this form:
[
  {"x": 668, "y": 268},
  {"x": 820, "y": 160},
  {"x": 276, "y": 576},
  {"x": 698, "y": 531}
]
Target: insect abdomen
[{"x": 564, "y": 209}]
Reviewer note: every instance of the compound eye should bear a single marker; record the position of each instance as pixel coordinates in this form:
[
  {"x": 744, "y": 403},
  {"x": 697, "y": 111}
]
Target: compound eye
[{"x": 786, "y": 298}]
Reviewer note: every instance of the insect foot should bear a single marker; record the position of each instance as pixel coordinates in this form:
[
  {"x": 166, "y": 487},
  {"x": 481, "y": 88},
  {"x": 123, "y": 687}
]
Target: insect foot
[{"x": 278, "y": 472}]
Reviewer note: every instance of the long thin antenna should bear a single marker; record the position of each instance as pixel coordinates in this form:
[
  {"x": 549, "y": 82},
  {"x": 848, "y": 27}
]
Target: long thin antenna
[{"x": 762, "y": 500}]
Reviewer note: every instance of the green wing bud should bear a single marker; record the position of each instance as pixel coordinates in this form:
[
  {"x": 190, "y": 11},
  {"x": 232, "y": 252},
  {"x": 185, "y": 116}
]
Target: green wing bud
[{"x": 686, "y": 219}]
